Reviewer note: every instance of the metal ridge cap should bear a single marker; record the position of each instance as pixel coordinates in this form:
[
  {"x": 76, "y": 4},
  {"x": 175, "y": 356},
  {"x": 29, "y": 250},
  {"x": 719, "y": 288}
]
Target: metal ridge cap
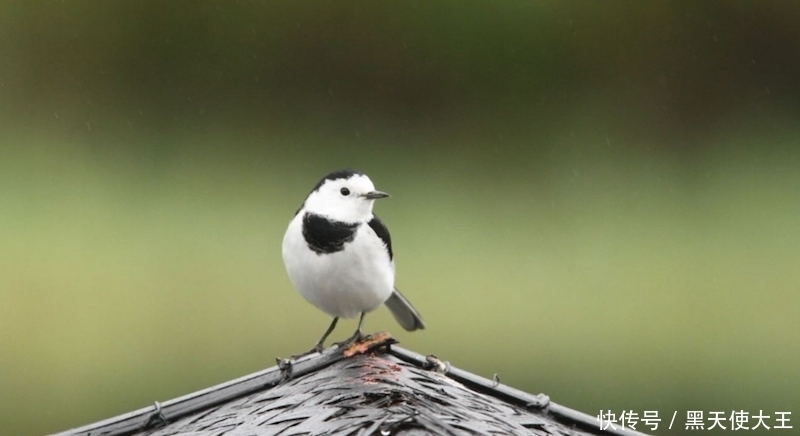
[
  {"x": 532, "y": 402},
  {"x": 161, "y": 412}
]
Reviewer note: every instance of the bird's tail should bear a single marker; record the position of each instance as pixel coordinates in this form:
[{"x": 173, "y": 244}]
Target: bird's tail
[{"x": 404, "y": 312}]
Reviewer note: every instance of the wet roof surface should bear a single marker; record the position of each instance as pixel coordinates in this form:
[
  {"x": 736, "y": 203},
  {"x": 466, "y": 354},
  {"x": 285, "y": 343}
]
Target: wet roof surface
[{"x": 387, "y": 390}]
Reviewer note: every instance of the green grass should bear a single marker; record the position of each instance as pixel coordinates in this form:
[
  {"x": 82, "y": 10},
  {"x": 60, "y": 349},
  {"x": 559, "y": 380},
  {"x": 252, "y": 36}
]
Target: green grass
[{"x": 606, "y": 278}]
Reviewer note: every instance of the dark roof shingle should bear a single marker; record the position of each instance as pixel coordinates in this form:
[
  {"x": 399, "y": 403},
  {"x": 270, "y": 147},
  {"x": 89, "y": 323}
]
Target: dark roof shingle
[{"x": 388, "y": 390}]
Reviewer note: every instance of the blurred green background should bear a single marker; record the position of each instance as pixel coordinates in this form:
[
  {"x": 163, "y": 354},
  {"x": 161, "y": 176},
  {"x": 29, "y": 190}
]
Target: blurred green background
[{"x": 595, "y": 200}]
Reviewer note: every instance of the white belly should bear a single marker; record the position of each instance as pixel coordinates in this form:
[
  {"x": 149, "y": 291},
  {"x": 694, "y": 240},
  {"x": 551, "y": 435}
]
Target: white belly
[{"x": 357, "y": 279}]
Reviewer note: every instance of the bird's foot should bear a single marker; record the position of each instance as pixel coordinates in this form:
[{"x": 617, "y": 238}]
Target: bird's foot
[
  {"x": 316, "y": 349},
  {"x": 357, "y": 336},
  {"x": 285, "y": 365}
]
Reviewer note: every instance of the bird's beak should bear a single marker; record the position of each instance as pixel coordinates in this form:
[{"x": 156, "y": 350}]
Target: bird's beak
[{"x": 375, "y": 194}]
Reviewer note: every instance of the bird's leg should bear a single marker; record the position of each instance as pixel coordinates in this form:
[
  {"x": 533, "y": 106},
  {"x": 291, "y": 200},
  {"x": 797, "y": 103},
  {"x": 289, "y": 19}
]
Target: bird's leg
[
  {"x": 319, "y": 346},
  {"x": 357, "y": 336}
]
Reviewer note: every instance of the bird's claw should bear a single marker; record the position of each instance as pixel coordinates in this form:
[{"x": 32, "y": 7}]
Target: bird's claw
[
  {"x": 357, "y": 337},
  {"x": 315, "y": 349},
  {"x": 285, "y": 365}
]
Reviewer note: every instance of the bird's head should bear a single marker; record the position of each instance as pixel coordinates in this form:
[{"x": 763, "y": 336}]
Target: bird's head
[{"x": 345, "y": 196}]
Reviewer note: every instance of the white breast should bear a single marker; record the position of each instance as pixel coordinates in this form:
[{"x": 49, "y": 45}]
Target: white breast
[{"x": 357, "y": 279}]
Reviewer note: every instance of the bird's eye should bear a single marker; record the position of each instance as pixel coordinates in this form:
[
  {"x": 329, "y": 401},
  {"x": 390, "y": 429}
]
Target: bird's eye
[{"x": 345, "y": 191}]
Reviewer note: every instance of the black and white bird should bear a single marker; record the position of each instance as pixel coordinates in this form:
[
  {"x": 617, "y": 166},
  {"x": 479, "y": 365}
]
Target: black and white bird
[{"x": 339, "y": 254}]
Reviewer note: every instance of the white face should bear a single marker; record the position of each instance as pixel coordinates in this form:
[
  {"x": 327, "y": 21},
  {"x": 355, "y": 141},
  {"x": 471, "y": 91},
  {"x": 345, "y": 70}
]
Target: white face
[{"x": 343, "y": 199}]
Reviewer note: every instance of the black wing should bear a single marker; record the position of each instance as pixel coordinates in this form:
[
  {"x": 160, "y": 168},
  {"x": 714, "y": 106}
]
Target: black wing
[{"x": 383, "y": 233}]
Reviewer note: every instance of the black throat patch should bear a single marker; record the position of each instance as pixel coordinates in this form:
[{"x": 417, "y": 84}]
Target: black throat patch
[{"x": 325, "y": 236}]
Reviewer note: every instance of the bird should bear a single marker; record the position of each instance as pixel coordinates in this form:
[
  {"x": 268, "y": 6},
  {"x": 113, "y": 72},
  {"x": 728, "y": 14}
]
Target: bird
[{"x": 338, "y": 254}]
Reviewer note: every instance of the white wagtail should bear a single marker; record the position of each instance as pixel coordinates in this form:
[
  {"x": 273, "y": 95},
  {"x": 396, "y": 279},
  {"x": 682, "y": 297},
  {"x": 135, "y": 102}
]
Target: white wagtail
[{"x": 339, "y": 254}]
